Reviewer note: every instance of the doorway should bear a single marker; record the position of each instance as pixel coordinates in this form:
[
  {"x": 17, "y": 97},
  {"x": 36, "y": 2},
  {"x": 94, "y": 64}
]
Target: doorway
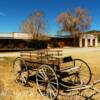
[
  {"x": 94, "y": 42},
  {"x": 83, "y": 42}
]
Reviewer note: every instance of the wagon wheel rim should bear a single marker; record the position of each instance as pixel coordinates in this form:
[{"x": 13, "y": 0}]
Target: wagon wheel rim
[
  {"x": 47, "y": 82},
  {"x": 20, "y": 73},
  {"x": 84, "y": 73}
]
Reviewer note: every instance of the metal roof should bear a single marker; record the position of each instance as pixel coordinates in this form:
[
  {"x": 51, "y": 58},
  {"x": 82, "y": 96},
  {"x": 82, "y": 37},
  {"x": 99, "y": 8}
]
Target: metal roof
[{"x": 61, "y": 36}]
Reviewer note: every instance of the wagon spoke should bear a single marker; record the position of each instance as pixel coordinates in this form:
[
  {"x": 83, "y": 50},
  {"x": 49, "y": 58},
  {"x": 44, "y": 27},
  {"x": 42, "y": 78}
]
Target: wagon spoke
[
  {"x": 41, "y": 80},
  {"x": 43, "y": 73},
  {"x": 42, "y": 84},
  {"x": 51, "y": 92},
  {"x": 53, "y": 83},
  {"x": 39, "y": 75},
  {"x": 53, "y": 88},
  {"x": 50, "y": 78}
]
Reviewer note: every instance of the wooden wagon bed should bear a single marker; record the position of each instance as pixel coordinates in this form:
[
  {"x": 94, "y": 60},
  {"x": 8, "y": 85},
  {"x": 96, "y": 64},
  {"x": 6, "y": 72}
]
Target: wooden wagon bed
[{"x": 43, "y": 56}]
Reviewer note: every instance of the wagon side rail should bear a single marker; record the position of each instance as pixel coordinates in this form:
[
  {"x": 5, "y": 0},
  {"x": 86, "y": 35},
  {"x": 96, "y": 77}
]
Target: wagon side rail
[
  {"x": 54, "y": 56},
  {"x": 43, "y": 56},
  {"x": 29, "y": 55}
]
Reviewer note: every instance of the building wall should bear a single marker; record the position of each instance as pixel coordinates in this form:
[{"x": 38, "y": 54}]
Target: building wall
[
  {"x": 22, "y": 36},
  {"x": 88, "y": 40},
  {"x": 62, "y": 42}
]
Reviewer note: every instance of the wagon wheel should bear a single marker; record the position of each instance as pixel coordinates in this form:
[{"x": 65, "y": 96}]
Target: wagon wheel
[
  {"x": 84, "y": 73},
  {"x": 20, "y": 71},
  {"x": 81, "y": 77},
  {"x": 47, "y": 82}
]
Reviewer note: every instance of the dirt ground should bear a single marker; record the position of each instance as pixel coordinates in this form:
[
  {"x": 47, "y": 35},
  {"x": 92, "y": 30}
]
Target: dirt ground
[{"x": 10, "y": 90}]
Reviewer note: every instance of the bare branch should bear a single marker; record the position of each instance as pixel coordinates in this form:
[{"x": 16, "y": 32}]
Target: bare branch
[
  {"x": 74, "y": 22},
  {"x": 35, "y": 24}
]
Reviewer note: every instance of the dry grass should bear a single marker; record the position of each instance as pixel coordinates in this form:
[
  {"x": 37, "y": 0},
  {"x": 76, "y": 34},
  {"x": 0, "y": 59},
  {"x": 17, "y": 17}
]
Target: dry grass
[
  {"x": 15, "y": 91},
  {"x": 9, "y": 89}
]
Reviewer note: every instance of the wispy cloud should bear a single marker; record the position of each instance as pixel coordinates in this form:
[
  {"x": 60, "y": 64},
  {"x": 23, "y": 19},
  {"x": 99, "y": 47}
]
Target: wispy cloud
[{"x": 2, "y": 14}]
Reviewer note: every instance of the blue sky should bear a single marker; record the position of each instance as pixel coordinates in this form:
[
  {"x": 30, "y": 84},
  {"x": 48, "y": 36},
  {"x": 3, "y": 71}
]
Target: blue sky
[{"x": 14, "y": 12}]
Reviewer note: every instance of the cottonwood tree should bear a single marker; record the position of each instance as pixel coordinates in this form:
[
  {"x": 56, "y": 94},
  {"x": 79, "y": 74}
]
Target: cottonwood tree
[
  {"x": 74, "y": 22},
  {"x": 35, "y": 24}
]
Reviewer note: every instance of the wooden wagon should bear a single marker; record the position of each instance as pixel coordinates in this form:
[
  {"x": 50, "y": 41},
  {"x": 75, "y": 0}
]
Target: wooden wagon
[{"x": 54, "y": 73}]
